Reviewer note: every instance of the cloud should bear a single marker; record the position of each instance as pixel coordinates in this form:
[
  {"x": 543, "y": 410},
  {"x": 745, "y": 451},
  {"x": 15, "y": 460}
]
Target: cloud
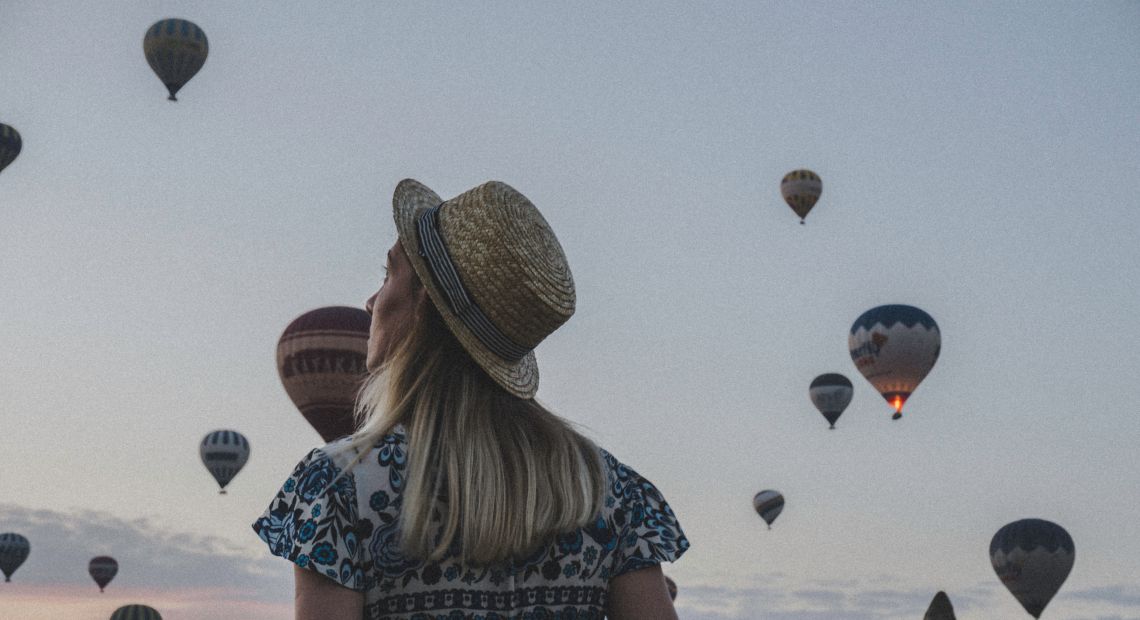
[
  {"x": 1123, "y": 595},
  {"x": 150, "y": 557}
]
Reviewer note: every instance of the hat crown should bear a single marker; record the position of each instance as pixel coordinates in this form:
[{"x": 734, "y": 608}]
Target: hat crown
[{"x": 509, "y": 260}]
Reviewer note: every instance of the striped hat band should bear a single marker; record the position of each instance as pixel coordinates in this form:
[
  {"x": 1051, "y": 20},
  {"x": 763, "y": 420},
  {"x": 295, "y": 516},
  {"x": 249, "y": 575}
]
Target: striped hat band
[{"x": 443, "y": 270}]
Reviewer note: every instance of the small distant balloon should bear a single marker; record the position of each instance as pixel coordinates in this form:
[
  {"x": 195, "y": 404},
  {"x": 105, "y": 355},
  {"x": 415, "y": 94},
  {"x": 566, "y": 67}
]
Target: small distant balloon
[
  {"x": 102, "y": 569},
  {"x": 894, "y": 346},
  {"x": 136, "y": 612},
  {"x": 10, "y": 145},
  {"x": 768, "y": 504},
  {"x": 321, "y": 361},
  {"x": 801, "y": 190},
  {"x": 224, "y": 453},
  {"x": 940, "y": 608},
  {"x": 831, "y": 393},
  {"x": 14, "y": 549},
  {"x": 1032, "y": 557},
  {"x": 175, "y": 49},
  {"x": 672, "y": 587}
]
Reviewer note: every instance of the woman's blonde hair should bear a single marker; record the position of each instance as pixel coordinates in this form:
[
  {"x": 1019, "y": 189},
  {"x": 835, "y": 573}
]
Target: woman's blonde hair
[{"x": 504, "y": 473}]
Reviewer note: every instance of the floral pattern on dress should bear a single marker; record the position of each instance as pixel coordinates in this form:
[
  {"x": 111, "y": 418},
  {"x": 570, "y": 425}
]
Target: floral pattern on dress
[{"x": 349, "y": 532}]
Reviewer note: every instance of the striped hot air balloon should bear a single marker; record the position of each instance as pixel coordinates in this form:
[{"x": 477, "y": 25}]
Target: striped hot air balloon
[
  {"x": 10, "y": 145},
  {"x": 801, "y": 190},
  {"x": 176, "y": 49},
  {"x": 1032, "y": 557},
  {"x": 894, "y": 346},
  {"x": 768, "y": 504},
  {"x": 14, "y": 549},
  {"x": 224, "y": 453},
  {"x": 136, "y": 612},
  {"x": 321, "y": 360},
  {"x": 102, "y": 569},
  {"x": 831, "y": 393}
]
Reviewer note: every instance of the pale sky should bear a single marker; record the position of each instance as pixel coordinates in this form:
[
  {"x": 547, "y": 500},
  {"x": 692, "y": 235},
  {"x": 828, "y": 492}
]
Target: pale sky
[{"x": 979, "y": 160}]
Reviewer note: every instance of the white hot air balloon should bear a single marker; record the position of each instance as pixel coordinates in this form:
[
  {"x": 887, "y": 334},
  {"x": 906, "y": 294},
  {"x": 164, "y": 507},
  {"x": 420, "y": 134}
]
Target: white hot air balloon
[{"x": 894, "y": 346}]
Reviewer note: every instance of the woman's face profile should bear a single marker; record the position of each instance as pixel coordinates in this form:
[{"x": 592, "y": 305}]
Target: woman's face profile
[{"x": 393, "y": 307}]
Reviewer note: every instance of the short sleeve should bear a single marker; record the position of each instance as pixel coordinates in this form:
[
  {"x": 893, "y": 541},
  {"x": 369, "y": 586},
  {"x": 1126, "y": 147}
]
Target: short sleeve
[
  {"x": 648, "y": 531},
  {"x": 312, "y": 521}
]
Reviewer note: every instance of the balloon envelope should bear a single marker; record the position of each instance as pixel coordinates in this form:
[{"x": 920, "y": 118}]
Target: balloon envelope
[
  {"x": 940, "y": 608},
  {"x": 672, "y": 587},
  {"x": 801, "y": 190},
  {"x": 321, "y": 360},
  {"x": 831, "y": 393},
  {"x": 136, "y": 612},
  {"x": 224, "y": 453},
  {"x": 102, "y": 569},
  {"x": 894, "y": 346},
  {"x": 175, "y": 49},
  {"x": 768, "y": 504},
  {"x": 1032, "y": 557},
  {"x": 10, "y": 145},
  {"x": 14, "y": 549}
]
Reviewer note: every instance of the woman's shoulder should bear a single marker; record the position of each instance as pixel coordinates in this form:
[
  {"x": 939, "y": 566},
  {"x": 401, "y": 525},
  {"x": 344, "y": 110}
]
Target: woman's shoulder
[
  {"x": 636, "y": 521},
  {"x": 346, "y": 451}
]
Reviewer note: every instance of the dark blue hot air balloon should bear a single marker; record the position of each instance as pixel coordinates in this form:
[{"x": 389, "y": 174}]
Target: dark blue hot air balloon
[
  {"x": 176, "y": 49},
  {"x": 1032, "y": 557},
  {"x": 10, "y": 145},
  {"x": 14, "y": 549}
]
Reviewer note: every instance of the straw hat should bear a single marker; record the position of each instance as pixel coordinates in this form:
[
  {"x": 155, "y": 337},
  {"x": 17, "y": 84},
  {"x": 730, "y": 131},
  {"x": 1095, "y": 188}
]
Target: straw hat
[{"x": 493, "y": 268}]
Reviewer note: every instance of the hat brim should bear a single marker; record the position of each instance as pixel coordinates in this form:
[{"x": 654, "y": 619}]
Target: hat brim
[{"x": 409, "y": 201}]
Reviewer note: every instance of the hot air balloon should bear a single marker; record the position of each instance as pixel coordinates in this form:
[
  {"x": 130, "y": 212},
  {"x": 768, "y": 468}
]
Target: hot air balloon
[
  {"x": 831, "y": 393},
  {"x": 321, "y": 361},
  {"x": 136, "y": 612},
  {"x": 672, "y": 587},
  {"x": 14, "y": 549},
  {"x": 801, "y": 190},
  {"x": 224, "y": 453},
  {"x": 894, "y": 346},
  {"x": 102, "y": 569},
  {"x": 940, "y": 608},
  {"x": 10, "y": 145},
  {"x": 1032, "y": 557},
  {"x": 768, "y": 504},
  {"x": 176, "y": 49}
]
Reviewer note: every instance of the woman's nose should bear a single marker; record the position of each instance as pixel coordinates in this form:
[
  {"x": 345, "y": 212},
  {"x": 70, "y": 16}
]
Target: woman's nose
[{"x": 369, "y": 302}]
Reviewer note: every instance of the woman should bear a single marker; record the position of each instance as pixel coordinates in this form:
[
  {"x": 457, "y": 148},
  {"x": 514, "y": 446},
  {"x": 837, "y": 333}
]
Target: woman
[{"x": 460, "y": 496}]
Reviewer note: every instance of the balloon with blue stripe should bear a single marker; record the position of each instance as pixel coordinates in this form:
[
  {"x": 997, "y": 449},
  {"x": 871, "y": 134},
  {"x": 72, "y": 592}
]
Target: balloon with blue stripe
[
  {"x": 224, "y": 453},
  {"x": 10, "y": 145},
  {"x": 175, "y": 49},
  {"x": 14, "y": 549},
  {"x": 831, "y": 393},
  {"x": 894, "y": 346},
  {"x": 1032, "y": 557}
]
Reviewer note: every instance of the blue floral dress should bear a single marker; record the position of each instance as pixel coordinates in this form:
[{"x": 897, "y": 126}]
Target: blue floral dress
[{"x": 348, "y": 532}]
